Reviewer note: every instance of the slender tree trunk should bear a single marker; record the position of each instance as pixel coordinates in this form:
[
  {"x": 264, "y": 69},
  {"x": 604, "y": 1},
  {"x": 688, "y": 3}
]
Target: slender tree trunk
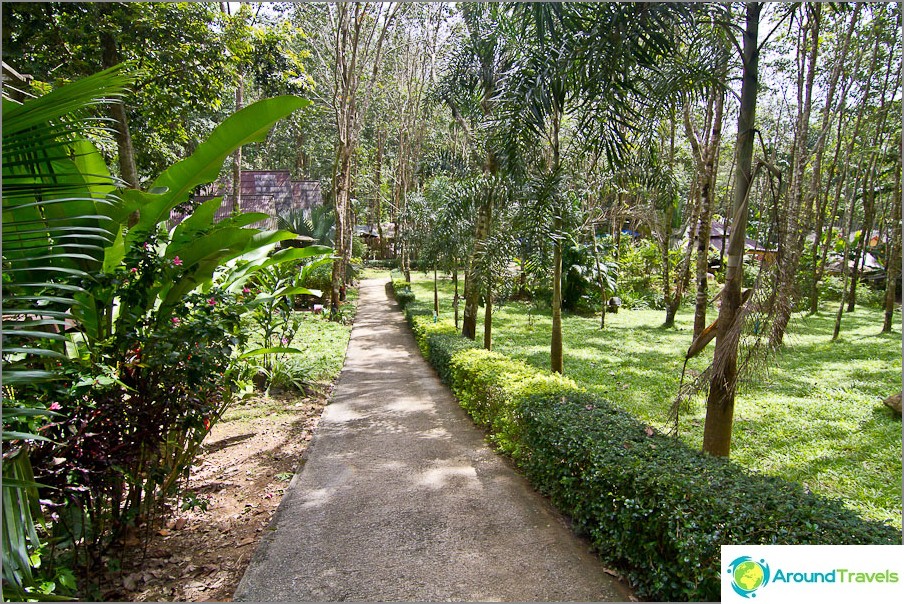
[
  {"x": 472, "y": 284},
  {"x": 342, "y": 186},
  {"x": 555, "y": 345},
  {"x": 893, "y": 255},
  {"x": 869, "y": 195},
  {"x": 791, "y": 238},
  {"x": 664, "y": 248},
  {"x": 849, "y": 222},
  {"x": 455, "y": 300},
  {"x": 435, "y": 294},
  {"x": 665, "y": 243},
  {"x": 128, "y": 170},
  {"x": 861, "y": 249},
  {"x": 556, "y": 355},
  {"x": 378, "y": 195},
  {"x": 488, "y": 319},
  {"x": 237, "y": 157},
  {"x": 706, "y": 159},
  {"x": 720, "y": 402},
  {"x": 816, "y": 179},
  {"x": 683, "y": 274}
]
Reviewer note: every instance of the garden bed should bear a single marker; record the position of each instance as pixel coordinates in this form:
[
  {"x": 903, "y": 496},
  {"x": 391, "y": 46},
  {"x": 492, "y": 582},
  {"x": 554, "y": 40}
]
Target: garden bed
[{"x": 248, "y": 460}]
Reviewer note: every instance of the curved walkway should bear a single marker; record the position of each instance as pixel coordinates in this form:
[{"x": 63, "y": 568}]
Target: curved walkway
[{"x": 400, "y": 499}]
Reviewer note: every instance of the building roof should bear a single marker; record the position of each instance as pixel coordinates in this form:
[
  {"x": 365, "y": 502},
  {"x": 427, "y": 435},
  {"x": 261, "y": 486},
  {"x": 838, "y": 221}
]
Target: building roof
[
  {"x": 272, "y": 192},
  {"x": 719, "y": 235}
]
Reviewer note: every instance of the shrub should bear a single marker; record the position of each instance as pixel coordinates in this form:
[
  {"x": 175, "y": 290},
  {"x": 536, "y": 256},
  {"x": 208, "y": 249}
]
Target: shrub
[
  {"x": 320, "y": 278},
  {"x": 491, "y": 386},
  {"x": 403, "y": 293},
  {"x": 441, "y": 346},
  {"x": 660, "y": 509},
  {"x": 390, "y": 263},
  {"x": 650, "y": 504}
]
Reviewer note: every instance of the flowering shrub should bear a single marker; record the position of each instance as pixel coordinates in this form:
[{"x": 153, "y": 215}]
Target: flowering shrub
[{"x": 138, "y": 403}]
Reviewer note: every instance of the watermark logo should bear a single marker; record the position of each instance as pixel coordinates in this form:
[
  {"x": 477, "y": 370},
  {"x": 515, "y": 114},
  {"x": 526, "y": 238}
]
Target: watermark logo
[{"x": 748, "y": 575}]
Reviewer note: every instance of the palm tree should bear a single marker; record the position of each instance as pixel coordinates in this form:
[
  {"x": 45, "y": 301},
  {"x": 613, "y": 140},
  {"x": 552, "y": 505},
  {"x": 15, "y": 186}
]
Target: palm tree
[
  {"x": 576, "y": 72},
  {"x": 319, "y": 228},
  {"x": 58, "y": 212}
]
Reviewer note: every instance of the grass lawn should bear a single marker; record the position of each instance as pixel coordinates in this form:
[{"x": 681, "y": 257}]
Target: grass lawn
[{"x": 815, "y": 417}]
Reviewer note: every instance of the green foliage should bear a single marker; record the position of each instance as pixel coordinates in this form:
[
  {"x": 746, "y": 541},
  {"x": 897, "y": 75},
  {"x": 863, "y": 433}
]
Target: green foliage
[
  {"x": 651, "y": 504},
  {"x": 491, "y": 386},
  {"x": 319, "y": 225},
  {"x": 110, "y": 331},
  {"x": 403, "y": 294},
  {"x": 660, "y": 509},
  {"x": 56, "y": 220},
  {"x": 167, "y": 101},
  {"x": 134, "y": 418},
  {"x": 640, "y": 263}
]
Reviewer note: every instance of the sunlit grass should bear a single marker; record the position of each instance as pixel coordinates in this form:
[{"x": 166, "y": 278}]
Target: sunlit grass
[{"x": 815, "y": 416}]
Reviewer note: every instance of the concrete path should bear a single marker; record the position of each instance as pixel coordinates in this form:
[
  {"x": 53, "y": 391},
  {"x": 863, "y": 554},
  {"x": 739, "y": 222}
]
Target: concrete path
[{"x": 400, "y": 499}]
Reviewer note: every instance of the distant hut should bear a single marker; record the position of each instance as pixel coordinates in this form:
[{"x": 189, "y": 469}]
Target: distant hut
[{"x": 271, "y": 192}]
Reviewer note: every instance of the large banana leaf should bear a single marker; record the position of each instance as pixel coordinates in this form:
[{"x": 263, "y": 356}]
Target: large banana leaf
[{"x": 171, "y": 188}]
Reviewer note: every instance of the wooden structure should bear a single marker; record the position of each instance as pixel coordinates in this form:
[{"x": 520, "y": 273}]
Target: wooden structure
[{"x": 272, "y": 192}]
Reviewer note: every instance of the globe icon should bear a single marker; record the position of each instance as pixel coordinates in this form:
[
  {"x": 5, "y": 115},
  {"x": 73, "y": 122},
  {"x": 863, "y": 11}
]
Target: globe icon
[{"x": 748, "y": 575}]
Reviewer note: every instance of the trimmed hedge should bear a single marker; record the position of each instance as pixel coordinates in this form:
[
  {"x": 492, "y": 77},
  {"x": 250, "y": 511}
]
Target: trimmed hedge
[
  {"x": 651, "y": 505},
  {"x": 660, "y": 510},
  {"x": 403, "y": 294}
]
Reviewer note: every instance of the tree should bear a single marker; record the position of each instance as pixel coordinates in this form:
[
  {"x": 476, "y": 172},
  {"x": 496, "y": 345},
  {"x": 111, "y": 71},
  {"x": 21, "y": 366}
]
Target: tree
[
  {"x": 347, "y": 42},
  {"x": 155, "y": 124},
  {"x": 470, "y": 88},
  {"x": 566, "y": 78},
  {"x": 720, "y": 401}
]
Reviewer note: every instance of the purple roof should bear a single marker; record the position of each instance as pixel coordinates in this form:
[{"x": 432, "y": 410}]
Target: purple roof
[{"x": 272, "y": 192}]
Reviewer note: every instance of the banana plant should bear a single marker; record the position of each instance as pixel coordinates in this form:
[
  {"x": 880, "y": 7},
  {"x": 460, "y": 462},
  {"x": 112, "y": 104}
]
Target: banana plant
[
  {"x": 65, "y": 230},
  {"x": 198, "y": 246}
]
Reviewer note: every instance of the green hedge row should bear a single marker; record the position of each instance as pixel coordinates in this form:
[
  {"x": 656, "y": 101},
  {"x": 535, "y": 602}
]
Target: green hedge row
[
  {"x": 403, "y": 294},
  {"x": 651, "y": 505}
]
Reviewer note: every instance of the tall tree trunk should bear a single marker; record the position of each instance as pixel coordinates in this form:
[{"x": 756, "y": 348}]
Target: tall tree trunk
[
  {"x": 706, "y": 155},
  {"x": 869, "y": 195},
  {"x": 435, "y": 295},
  {"x": 341, "y": 188},
  {"x": 845, "y": 269},
  {"x": 377, "y": 217},
  {"x": 237, "y": 157},
  {"x": 455, "y": 300},
  {"x": 720, "y": 402},
  {"x": 472, "y": 284},
  {"x": 816, "y": 178},
  {"x": 861, "y": 249},
  {"x": 128, "y": 170},
  {"x": 893, "y": 255},
  {"x": 488, "y": 319},
  {"x": 791, "y": 239},
  {"x": 683, "y": 273},
  {"x": 556, "y": 353}
]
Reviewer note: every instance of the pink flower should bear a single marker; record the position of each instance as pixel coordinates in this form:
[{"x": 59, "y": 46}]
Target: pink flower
[
  {"x": 177, "y": 261},
  {"x": 245, "y": 290},
  {"x": 133, "y": 270},
  {"x": 146, "y": 245},
  {"x": 176, "y": 320},
  {"x": 55, "y": 407},
  {"x": 212, "y": 301},
  {"x": 285, "y": 341}
]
